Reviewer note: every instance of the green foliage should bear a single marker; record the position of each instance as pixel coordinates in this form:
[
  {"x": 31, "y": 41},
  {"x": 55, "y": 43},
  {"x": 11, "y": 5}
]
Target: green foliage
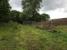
[
  {"x": 4, "y": 10},
  {"x": 30, "y": 10},
  {"x": 36, "y": 39},
  {"x": 33, "y": 4},
  {"x": 7, "y": 36},
  {"x": 36, "y": 18},
  {"x": 14, "y": 15},
  {"x": 30, "y": 7},
  {"x": 45, "y": 17},
  {"x": 42, "y": 17},
  {"x": 14, "y": 36},
  {"x": 29, "y": 39}
]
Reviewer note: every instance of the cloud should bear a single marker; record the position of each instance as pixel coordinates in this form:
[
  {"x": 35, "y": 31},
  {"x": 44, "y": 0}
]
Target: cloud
[
  {"x": 46, "y": 4},
  {"x": 55, "y": 8},
  {"x": 15, "y": 4},
  {"x": 54, "y": 4},
  {"x": 57, "y": 13}
]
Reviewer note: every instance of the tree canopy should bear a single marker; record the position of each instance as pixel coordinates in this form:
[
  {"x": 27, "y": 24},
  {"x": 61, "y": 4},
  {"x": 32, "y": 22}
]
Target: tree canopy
[
  {"x": 30, "y": 11},
  {"x": 4, "y": 9},
  {"x": 31, "y": 6}
]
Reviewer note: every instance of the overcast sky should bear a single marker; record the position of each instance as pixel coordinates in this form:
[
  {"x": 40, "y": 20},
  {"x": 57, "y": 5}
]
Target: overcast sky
[{"x": 55, "y": 8}]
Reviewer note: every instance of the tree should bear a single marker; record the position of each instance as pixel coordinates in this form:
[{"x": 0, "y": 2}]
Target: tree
[
  {"x": 41, "y": 17},
  {"x": 30, "y": 11},
  {"x": 4, "y": 10},
  {"x": 15, "y": 15},
  {"x": 45, "y": 17},
  {"x": 31, "y": 7}
]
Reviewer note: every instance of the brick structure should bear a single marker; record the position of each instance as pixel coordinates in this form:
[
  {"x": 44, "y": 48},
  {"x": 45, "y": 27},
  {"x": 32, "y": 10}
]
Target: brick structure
[
  {"x": 62, "y": 21},
  {"x": 52, "y": 23}
]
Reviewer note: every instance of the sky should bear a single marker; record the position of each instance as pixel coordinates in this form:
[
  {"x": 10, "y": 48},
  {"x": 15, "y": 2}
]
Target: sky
[{"x": 55, "y": 8}]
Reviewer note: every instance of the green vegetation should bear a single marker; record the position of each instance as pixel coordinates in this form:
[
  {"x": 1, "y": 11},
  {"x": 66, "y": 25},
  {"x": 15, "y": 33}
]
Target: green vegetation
[
  {"x": 14, "y": 36},
  {"x": 4, "y": 10},
  {"x": 7, "y": 15},
  {"x": 30, "y": 11},
  {"x": 7, "y": 36}
]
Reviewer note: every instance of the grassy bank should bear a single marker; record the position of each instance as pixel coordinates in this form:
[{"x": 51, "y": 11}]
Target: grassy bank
[{"x": 14, "y": 36}]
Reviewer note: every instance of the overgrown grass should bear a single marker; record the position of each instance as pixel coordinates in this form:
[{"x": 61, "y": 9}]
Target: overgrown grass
[{"x": 14, "y": 36}]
